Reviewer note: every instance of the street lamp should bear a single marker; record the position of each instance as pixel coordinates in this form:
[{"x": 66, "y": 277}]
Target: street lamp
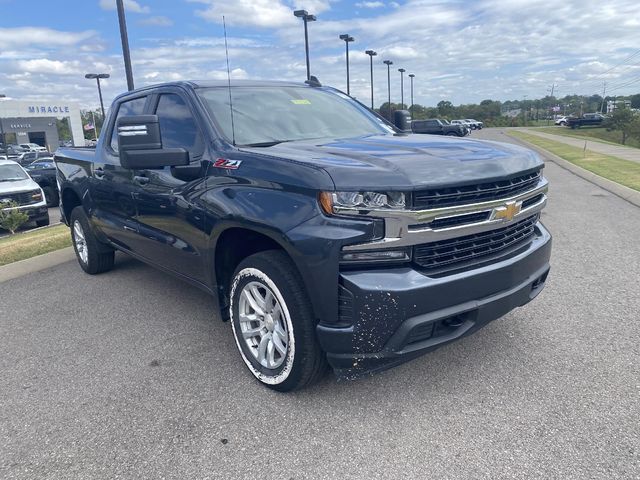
[
  {"x": 124, "y": 38},
  {"x": 388, "y": 63},
  {"x": 304, "y": 15},
  {"x": 98, "y": 76},
  {"x": 411, "y": 76},
  {"x": 2, "y": 95},
  {"x": 347, "y": 39},
  {"x": 401, "y": 70},
  {"x": 371, "y": 54}
]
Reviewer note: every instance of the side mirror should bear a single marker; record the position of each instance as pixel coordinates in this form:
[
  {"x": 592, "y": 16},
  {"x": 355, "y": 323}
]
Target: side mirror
[
  {"x": 402, "y": 120},
  {"x": 140, "y": 144}
]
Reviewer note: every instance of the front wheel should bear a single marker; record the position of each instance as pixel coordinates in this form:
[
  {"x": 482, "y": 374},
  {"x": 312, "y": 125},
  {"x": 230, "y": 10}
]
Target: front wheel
[
  {"x": 93, "y": 255},
  {"x": 273, "y": 324}
]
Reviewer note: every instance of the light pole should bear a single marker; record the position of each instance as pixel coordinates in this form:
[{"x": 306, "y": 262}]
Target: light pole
[
  {"x": 98, "y": 76},
  {"x": 124, "y": 38},
  {"x": 371, "y": 54},
  {"x": 347, "y": 38},
  {"x": 2, "y": 95},
  {"x": 388, "y": 63},
  {"x": 304, "y": 15},
  {"x": 411, "y": 76},
  {"x": 401, "y": 70}
]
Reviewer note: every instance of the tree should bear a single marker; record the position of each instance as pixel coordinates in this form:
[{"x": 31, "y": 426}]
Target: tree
[
  {"x": 623, "y": 120},
  {"x": 11, "y": 218},
  {"x": 445, "y": 108}
]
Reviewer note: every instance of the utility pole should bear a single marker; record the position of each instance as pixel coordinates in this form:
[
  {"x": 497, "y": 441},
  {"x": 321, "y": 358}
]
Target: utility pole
[
  {"x": 553, "y": 87},
  {"x": 306, "y": 18},
  {"x": 401, "y": 70},
  {"x": 347, "y": 38},
  {"x": 604, "y": 90},
  {"x": 125, "y": 44}
]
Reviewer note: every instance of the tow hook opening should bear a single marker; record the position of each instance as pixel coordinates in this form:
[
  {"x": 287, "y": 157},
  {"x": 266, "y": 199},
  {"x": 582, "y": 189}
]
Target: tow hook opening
[
  {"x": 454, "y": 321},
  {"x": 536, "y": 286}
]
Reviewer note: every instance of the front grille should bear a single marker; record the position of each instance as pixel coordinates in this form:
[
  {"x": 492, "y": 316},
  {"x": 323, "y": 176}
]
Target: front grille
[
  {"x": 21, "y": 198},
  {"x": 454, "y": 252},
  {"x": 483, "y": 192}
]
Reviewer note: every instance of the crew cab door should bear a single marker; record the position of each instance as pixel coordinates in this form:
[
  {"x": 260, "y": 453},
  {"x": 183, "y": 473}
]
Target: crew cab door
[
  {"x": 169, "y": 219},
  {"x": 111, "y": 186}
]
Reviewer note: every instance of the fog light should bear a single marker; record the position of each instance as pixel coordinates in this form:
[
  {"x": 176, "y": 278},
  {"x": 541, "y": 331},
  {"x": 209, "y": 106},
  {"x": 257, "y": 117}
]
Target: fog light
[{"x": 376, "y": 256}]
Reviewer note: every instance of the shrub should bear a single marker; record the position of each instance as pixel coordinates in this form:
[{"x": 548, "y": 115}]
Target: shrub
[{"x": 11, "y": 218}]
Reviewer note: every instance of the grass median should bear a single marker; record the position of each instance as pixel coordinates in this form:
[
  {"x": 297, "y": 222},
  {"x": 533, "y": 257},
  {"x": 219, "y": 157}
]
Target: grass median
[
  {"x": 621, "y": 171},
  {"x": 597, "y": 134},
  {"x": 32, "y": 243}
]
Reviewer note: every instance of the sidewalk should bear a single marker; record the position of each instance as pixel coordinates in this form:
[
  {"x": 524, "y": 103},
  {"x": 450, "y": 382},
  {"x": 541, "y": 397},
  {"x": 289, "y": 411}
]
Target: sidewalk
[{"x": 620, "y": 151}]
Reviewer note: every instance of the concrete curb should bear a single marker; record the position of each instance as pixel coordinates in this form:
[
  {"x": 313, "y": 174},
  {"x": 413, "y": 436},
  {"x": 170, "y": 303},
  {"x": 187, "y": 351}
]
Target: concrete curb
[
  {"x": 630, "y": 195},
  {"x": 35, "y": 264}
]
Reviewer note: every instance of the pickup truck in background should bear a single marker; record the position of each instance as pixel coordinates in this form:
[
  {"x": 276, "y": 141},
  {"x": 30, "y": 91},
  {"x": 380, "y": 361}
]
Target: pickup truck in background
[
  {"x": 327, "y": 235},
  {"x": 588, "y": 119},
  {"x": 434, "y": 126}
]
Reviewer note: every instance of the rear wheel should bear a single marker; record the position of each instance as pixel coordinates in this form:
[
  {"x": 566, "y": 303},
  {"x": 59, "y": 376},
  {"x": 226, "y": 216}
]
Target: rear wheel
[
  {"x": 273, "y": 323},
  {"x": 93, "y": 255},
  {"x": 452, "y": 134}
]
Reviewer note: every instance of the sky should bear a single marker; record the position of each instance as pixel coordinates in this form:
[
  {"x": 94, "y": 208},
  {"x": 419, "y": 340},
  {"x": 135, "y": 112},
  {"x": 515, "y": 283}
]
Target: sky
[{"x": 461, "y": 51}]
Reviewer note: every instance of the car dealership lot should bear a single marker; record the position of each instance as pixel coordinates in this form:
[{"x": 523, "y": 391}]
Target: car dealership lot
[{"x": 131, "y": 374}]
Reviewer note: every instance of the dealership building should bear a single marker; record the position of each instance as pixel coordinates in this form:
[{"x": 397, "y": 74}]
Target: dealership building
[{"x": 35, "y": 122}]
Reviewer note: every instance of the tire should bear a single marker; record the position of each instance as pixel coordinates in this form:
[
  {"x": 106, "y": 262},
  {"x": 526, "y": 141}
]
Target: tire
[
  {"x": 93, "y": 256},
  {"x": 452, "y": 134},
  {"x": 279, "y": 344},
  {"x": 51, "y": 194},
  {"x": 562, "y": 124},
  {"x": 42, "y": 223}
]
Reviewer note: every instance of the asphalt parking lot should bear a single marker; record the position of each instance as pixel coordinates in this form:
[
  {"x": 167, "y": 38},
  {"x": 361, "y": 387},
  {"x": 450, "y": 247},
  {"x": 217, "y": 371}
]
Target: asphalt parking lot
[{"x": 131, "y": 374}]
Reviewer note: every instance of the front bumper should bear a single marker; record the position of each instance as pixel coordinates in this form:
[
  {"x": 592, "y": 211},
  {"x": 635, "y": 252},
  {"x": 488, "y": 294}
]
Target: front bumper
[
  {"x": 36, "y": 212},
  {"x": 399, "y": 314}
]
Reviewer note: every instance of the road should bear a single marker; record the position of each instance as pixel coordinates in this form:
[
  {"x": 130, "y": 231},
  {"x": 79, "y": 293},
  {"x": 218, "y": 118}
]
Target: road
[{"x": 131, "y": 374}]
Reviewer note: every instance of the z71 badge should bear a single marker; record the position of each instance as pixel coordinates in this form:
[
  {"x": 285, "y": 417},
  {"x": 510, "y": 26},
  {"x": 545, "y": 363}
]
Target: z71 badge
[{"x": 228, "y": 164}]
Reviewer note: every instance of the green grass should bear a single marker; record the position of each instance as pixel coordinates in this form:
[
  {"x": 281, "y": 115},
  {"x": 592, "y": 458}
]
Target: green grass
[
  {"x": 624, "y": 172},
  {"x": 599, "y": 134},
  {"x": 30, "y": 244}
]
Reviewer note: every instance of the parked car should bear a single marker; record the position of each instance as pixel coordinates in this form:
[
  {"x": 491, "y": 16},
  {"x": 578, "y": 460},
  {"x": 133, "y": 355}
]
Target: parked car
[
  {"x": 325, "y": 234},
  {"x": 476, "y": 124},
  {"x": 28, "y": 158},
  {"x": 436, "y": 126},
  {"x": 464, "y": 123},
  {"x": 33, "y": 147},
  {"x": 562, "y": 121},
  {"x": 13, "y": 151},
  {"x": 43, "y": 171},
  {"x": 17, "y": 186},
  {"x": 588, "y": 119}
]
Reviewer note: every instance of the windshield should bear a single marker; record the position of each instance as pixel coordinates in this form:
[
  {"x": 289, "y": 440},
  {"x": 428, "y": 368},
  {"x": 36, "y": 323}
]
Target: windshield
[
  {"x": 10, "y": 173},
  {"x": 264, "y": 116}
]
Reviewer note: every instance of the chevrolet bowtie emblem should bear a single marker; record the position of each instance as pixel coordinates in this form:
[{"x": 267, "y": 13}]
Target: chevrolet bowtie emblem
[{"x": 510, "y": 210}]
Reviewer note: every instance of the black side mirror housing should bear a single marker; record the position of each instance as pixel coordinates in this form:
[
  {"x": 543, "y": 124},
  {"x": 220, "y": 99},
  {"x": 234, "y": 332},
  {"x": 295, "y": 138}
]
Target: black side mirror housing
[
  {"x": 402, "y": 120},
  {"x": 140, "y": 145}
]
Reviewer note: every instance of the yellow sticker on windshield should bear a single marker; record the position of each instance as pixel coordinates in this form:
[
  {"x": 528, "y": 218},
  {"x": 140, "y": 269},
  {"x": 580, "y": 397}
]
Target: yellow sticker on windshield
[{"x": 302, "y": 101}]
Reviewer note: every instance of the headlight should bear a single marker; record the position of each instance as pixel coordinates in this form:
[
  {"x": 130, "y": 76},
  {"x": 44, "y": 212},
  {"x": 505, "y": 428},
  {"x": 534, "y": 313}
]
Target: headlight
[{"x": 334, "y": 202}]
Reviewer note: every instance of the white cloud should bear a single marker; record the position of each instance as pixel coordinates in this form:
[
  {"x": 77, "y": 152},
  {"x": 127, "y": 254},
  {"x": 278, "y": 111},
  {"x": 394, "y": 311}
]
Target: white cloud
[
  {"x": 129, "y": 6},
  {"x": 44, "y": 65},
  {"x": 258, "y": 13},
  {"x": 157, "y": 21},
  {"x": 41, "y": 37},
  {"x": 370, "y": 4}
]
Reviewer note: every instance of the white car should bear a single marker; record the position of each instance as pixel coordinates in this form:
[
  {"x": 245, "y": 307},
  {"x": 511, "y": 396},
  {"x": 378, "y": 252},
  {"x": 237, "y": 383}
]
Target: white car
[
  {"x": 562, "y": 121},
  {"x": 476, "y": 124},
  {"x": 33, "y": 147},
  {"x": 464, "y": 123},
  {"x": 16, "y": 186}
]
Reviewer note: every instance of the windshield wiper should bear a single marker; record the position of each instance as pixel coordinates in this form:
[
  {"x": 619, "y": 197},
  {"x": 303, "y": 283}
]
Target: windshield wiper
[{"x": 265, "y": 144}]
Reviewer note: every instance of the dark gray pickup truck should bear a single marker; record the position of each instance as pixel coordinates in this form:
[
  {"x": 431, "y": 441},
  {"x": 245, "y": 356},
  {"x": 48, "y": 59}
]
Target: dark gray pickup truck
[
  {"x": 328, "y": 236},
  {"x": 434, "y": 126}
]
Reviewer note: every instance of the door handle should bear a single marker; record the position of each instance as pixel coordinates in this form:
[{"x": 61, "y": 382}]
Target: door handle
[
  {"x": 99, "y": 172},
  {"x": 141, "y": 179}
]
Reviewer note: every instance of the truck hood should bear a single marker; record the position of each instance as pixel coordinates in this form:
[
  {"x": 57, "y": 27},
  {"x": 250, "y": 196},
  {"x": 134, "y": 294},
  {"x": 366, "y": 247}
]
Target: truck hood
[
  {"x": 18, "y": 186},
  {"x": 408, "y": 162}
]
